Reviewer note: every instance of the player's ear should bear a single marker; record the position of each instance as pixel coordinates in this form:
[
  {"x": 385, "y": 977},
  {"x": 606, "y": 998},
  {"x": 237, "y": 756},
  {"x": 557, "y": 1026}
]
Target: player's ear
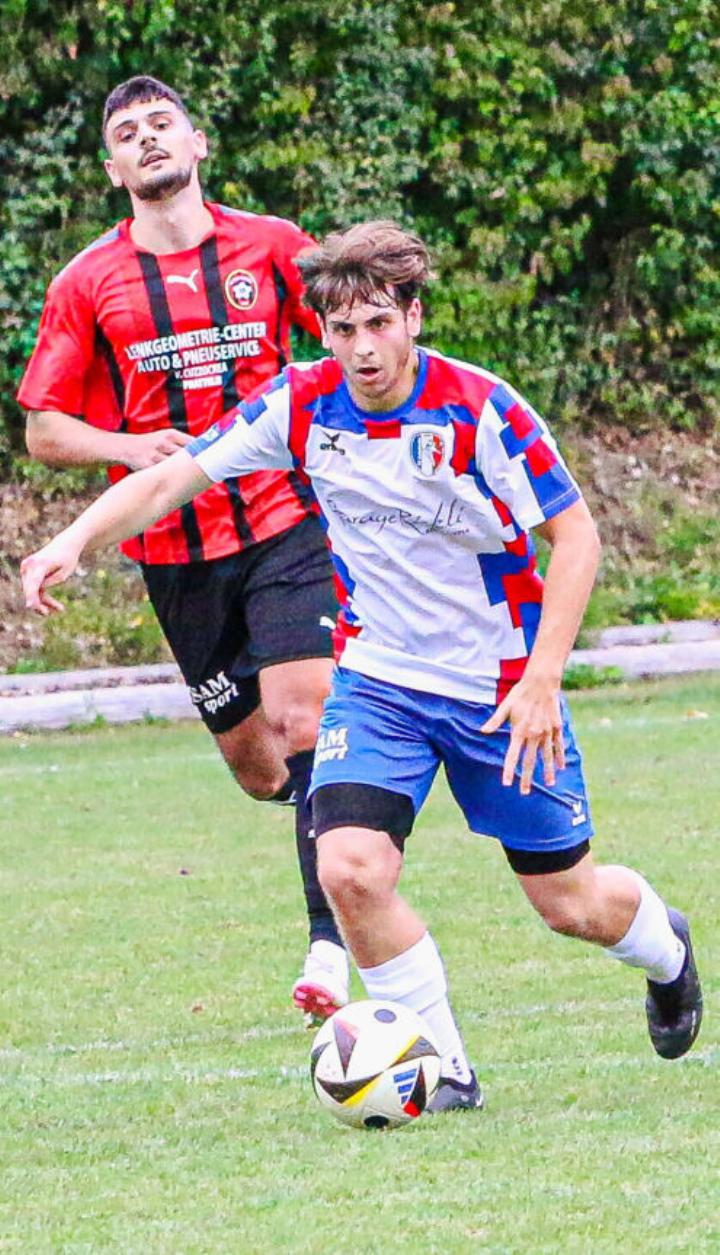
[
  {"x": 112, "y": 173},
  {"x": 324, "y": 334},
  {"x": 200, "y": 144},
  {"x": 413, "y": 317}
]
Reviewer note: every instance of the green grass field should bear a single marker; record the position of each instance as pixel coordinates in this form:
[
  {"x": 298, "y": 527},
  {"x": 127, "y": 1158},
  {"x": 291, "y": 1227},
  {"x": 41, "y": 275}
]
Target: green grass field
[{"x": 153, "y": 1074}]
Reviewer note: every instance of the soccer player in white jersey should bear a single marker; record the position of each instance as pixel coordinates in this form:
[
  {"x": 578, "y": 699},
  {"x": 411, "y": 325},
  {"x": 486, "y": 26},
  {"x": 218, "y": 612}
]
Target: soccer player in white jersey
[{"x": 431, "y": 475}]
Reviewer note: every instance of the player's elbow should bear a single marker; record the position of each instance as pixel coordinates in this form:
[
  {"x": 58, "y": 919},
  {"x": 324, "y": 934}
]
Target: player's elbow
[
  {"x": 583, "y": 539},
  {"x": 593, "y": 542},
  {"x": 37, "y": 443},
  {"x": 159, "y": 489},
  {"x": 42, "y": 440},
  {"x": 169, "y": 484}
]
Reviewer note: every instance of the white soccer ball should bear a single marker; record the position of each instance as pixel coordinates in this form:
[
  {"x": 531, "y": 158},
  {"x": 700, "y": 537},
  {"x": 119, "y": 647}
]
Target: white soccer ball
[{"x": 374, "y": 1065}]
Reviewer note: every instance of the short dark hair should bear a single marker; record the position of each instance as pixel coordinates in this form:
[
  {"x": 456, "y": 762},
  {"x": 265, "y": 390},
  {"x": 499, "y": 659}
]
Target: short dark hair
[
  {"x": 359, "y": 264},
  {"x": 139, "y": 89}
]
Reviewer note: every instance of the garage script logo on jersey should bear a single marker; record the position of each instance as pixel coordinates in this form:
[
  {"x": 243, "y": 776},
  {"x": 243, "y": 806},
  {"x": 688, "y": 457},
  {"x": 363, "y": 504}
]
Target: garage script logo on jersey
[
  {"x": 241, "y": 289},
  {"x": 427, "y": 450}
]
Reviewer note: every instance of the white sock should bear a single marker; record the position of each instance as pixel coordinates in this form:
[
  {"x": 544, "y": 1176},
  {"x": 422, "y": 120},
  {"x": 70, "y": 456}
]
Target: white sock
[
  {"x": 650, "y": 941},
  {"x": 416, "y": 979}
]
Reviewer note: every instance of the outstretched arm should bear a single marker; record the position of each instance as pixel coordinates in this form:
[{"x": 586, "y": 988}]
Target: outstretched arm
[
  {"x": 59, "y": 439},
  {"x": 122, "y": 511},
  {"x": 533, "y": 705}
]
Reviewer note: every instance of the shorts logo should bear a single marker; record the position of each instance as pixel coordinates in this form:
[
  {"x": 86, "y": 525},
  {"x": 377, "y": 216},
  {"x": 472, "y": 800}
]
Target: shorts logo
[
  {"x": 241, "y": 289},
  {"x": 332, "y": 746},
  {"x": 213, "y": 693},
  {"x": 579, "y": 815},
  {"x": 427, "y": 450}
]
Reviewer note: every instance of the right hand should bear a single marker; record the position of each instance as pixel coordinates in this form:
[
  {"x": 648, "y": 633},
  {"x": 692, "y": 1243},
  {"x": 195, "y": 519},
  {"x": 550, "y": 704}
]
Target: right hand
[
  {"x": 532, "y": 708},
  {"x": 52, "y": 564},
  {"x": 153, "y": 447}
]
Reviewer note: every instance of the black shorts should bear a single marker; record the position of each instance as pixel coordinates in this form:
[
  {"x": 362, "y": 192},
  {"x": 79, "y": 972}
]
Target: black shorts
[{"x": 228, "y": 618}]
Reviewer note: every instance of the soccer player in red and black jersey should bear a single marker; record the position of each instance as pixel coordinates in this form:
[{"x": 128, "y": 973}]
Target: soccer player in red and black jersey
[{"x": 147, "y": 337}]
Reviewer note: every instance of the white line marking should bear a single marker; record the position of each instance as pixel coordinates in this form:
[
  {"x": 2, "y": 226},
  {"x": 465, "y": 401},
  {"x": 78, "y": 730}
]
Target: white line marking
[
  {"x": 700, "y": 1058},
  {"x": 257, "y": 1033},
  {"x": 144, "y": 1076}
]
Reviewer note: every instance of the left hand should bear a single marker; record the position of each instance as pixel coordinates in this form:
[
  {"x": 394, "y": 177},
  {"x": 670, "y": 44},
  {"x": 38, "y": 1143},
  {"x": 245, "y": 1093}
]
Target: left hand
[
  {"x": 533, "y": 709},
  {"x": 52, "y": 564}
]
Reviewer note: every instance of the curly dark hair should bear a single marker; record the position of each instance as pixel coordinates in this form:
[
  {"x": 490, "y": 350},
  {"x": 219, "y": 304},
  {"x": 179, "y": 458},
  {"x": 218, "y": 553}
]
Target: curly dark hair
[{"x": 370, "y": 262}]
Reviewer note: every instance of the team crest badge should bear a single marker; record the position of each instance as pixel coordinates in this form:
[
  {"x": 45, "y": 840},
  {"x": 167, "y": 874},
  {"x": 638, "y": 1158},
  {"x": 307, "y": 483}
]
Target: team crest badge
[
  {"x": 427, "y": 450},
  {"x": 241, "y": 289}
]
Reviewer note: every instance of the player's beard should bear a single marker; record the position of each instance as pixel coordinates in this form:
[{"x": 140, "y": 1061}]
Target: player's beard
[{"x": 164, "y": 185}]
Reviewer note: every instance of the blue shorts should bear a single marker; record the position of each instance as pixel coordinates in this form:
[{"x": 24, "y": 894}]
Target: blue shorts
[{"x": 394, "y": 738}]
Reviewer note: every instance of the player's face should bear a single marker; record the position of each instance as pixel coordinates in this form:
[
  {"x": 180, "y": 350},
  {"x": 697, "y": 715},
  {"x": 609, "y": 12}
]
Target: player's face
[
  {"x": 154, "y": 150},
  {"x": 374, "y": 344}
]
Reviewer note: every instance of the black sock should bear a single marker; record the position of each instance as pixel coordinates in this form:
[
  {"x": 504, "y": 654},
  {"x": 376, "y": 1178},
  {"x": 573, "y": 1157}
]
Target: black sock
[{"x": 320, "y": 916}]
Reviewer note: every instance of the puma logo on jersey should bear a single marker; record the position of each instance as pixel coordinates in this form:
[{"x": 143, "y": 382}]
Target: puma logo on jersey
[
  {"x": 188, "y": 279},
  {"x": 326, "y": 621}
]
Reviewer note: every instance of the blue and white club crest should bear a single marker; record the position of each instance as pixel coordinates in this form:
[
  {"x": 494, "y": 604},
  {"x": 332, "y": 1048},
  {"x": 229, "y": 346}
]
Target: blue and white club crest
[{"x": 427, "y": 450}]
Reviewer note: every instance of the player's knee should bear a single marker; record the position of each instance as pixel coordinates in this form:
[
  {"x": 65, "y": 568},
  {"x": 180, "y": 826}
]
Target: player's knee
[
  {"x": 567, "y": 916},
  {"x": 297, "y": 725},
  {"x": 351, "y": 878},
  {"x": 259, "y": 781}
]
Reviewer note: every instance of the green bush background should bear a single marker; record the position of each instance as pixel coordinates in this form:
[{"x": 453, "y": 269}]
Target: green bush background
[{"x": 562, "y": 157}]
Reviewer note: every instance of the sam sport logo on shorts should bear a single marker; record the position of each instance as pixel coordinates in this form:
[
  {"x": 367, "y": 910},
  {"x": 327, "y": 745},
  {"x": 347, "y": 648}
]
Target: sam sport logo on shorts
[
  {"x": 332, "y": 744},
  {"x": 213, "y": 693},
  {"x": 427, "y": 450},
  {"x": 241, "y": 289}
]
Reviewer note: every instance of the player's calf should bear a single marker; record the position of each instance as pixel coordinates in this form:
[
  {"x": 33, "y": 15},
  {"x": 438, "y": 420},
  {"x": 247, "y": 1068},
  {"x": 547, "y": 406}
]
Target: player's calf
[{"x": 658, "y": 941}]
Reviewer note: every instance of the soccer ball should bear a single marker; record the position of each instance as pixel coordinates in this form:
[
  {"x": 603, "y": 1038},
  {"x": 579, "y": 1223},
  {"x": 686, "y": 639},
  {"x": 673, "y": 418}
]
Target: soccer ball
[{"x": 374, "y": 1065}]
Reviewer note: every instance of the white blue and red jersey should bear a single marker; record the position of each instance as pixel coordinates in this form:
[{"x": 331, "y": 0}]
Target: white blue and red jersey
[{"x": 428, "y": 509}]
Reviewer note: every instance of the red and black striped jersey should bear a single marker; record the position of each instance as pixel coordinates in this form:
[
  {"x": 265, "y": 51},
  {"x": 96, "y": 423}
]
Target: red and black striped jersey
[{"x": 134, "y": 341}]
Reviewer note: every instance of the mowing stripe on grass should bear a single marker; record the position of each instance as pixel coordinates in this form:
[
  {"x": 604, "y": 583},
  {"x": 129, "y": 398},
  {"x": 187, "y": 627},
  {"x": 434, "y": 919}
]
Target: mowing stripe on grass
[
  {"x": 589, "y": 723},
  {"x": 112, "y": 767},
  {"x": 213, "y": 1076}
]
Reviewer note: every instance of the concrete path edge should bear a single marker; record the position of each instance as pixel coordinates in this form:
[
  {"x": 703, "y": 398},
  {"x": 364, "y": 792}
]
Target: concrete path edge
[{"x": 56, "y": 700}]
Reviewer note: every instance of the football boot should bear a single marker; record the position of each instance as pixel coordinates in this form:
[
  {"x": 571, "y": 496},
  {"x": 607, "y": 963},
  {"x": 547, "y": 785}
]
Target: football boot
[
  {"x": 322, "y": 988},
  {"x": 674, "y": 1010}
]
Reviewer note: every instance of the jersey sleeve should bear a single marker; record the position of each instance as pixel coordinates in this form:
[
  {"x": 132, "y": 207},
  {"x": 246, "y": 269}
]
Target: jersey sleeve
[
  {"x": 519, "y": 460},
  {"x": 55, "y": 376},
  {"x": 253, "y": 437},
  {"x": 291, "y": 243}
]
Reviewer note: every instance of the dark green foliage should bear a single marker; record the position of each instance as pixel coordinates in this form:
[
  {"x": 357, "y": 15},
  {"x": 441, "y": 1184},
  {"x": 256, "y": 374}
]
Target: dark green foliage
[
  {"x": 581, "y": 675},
  {"x": 677, "y": 578},
  {"x": 562, "y": 157},
  {"x": 108, "y": 620}
]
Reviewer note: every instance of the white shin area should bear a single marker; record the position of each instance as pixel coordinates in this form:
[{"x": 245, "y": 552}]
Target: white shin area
[
  {"x": 650, "y": 942},
  {"x": 416, "y": 979}
]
